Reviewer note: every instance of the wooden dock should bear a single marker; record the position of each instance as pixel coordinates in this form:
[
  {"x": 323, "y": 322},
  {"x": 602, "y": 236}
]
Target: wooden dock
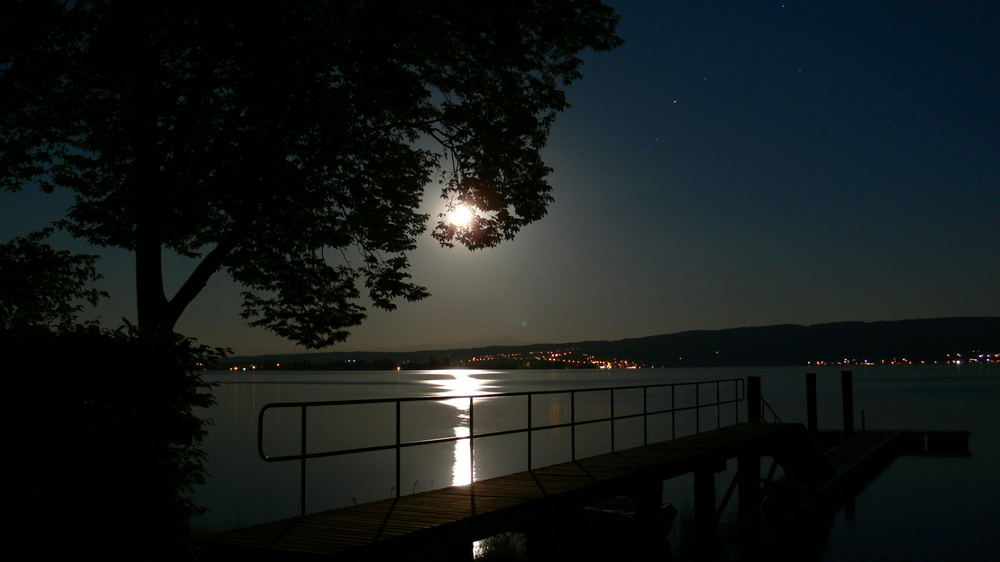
[
  {"x": 443, "y": 523},
  {"x": 553, "y": 505}
]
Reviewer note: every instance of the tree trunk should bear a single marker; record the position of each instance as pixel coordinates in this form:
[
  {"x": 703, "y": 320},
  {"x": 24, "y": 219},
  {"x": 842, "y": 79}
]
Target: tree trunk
[
  {"x": 151, "y": 302},
  {"x": 155, "y": 312}
]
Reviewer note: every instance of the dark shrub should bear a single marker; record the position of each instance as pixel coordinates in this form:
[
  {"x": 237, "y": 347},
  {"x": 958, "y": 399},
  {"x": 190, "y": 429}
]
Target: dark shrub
[{"x": 103, "y": 439}]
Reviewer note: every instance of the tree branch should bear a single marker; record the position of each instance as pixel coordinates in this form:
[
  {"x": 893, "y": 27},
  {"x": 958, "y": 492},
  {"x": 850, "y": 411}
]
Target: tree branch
[{"x": 197, "y": 280}]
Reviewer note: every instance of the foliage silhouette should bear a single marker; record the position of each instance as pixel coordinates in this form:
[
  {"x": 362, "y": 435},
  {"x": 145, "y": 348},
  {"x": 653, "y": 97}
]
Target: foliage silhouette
[
  {"x": 254, "y": 136},
  {"x": 42, "y": 287}
]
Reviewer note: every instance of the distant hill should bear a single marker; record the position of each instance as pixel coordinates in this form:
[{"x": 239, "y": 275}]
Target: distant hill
[{"x": 785, "y": 344}]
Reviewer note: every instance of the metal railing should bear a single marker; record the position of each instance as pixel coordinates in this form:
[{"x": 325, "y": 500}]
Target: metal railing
[
  {"x": 304, "y": 455},
  {"x": 765, "y": 406}
]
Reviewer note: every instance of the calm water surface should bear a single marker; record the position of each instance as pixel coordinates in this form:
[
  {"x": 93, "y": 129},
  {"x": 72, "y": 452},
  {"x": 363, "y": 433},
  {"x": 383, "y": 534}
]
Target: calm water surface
[{"x": 918, "y": 509}]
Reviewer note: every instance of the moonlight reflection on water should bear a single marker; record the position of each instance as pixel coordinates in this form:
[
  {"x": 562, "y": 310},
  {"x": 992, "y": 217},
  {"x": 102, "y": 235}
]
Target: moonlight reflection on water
[{"x": 462, "y": 383}]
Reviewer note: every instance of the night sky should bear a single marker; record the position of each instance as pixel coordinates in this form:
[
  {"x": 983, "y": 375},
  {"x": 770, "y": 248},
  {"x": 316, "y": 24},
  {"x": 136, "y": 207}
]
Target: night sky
[{"x": 733, "y": 164}]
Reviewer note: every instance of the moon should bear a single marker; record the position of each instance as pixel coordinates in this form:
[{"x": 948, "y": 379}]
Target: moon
[{"x": 461, "y": 216}]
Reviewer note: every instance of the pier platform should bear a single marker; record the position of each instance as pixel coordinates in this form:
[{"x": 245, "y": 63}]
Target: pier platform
[{"x": 446, "y": 521}]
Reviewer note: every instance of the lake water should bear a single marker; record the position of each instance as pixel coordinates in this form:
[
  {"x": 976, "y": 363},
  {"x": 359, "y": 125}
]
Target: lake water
[{"x": 920, "y": 508}]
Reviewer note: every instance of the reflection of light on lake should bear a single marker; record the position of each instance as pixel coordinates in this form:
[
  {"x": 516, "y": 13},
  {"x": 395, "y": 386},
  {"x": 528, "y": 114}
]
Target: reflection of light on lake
[
  {"x": 462, "y": 383},
  {"x": 461, "y": 469}
]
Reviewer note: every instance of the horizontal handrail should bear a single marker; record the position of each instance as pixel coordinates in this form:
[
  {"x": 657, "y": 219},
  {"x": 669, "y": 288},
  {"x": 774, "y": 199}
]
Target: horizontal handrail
[
  {"x": 303, "y": 455},
  {"x": 494, "y": 395}
]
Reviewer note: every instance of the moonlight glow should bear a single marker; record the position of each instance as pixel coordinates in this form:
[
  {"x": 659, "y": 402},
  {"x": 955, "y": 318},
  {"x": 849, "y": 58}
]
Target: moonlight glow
[{"x": 461, "y": 215}]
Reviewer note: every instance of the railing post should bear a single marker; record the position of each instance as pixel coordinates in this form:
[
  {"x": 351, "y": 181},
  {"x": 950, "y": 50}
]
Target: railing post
[
  {"x": 398, "y": 431},
  {"x": 718, "y": 406},
  {"x": 302, "y": 466},
  {"x": 736, "y": 399},
  {"x": 529, "y": 433},
  {"x": 612, "y": 420},
  {"x": 673, "y": 411},
  {"x": 572, "y": 424},
  {"x": 847, "y": 396},
  {"x": 811, "y": 423},
  {"x": 472, "y": 442},
  {"x": 753, "y": 400},
  {"x": 697, "y": 408},
  {"x": 645, "y": 416}
]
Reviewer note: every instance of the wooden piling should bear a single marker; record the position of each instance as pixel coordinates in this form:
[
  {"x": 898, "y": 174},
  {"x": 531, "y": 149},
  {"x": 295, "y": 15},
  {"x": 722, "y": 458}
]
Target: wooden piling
[
  {"x": 749, "y": 507},
  {"x": 648, "y": 501},
  {"x": 545, "y": 539},
  {"x": 847, "y": 398},
  {"x": 706, "y": 526},
  {"x": 811, "y": 419}
]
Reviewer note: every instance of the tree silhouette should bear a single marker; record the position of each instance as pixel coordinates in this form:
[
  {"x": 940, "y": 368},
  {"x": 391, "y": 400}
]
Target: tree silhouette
[{"x": 287, "y": 143}]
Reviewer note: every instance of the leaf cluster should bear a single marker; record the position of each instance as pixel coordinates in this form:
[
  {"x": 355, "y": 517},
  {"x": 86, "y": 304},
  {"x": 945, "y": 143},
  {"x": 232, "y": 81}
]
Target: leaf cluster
[{"x": 42, "y": 287}]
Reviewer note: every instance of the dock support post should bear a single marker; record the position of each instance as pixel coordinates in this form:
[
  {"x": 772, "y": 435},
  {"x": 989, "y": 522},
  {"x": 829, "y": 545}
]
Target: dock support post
[
  {"x": 648, "y": 501},
  {"x": 648, "y": 504},
  {"x": 753, "y": 400},
  {"x": 811, "y": 420},
  {"x": 749, "y": 507},
  {"x": 547, "y": 535},
  {"x": 847, "y": 394},
  {"x": 459, "y": 551},
  {"x": 706, "y": 530}
]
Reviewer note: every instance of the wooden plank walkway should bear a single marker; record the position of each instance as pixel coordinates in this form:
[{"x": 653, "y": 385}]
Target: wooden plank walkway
[{"x": 449, "y": 516}]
